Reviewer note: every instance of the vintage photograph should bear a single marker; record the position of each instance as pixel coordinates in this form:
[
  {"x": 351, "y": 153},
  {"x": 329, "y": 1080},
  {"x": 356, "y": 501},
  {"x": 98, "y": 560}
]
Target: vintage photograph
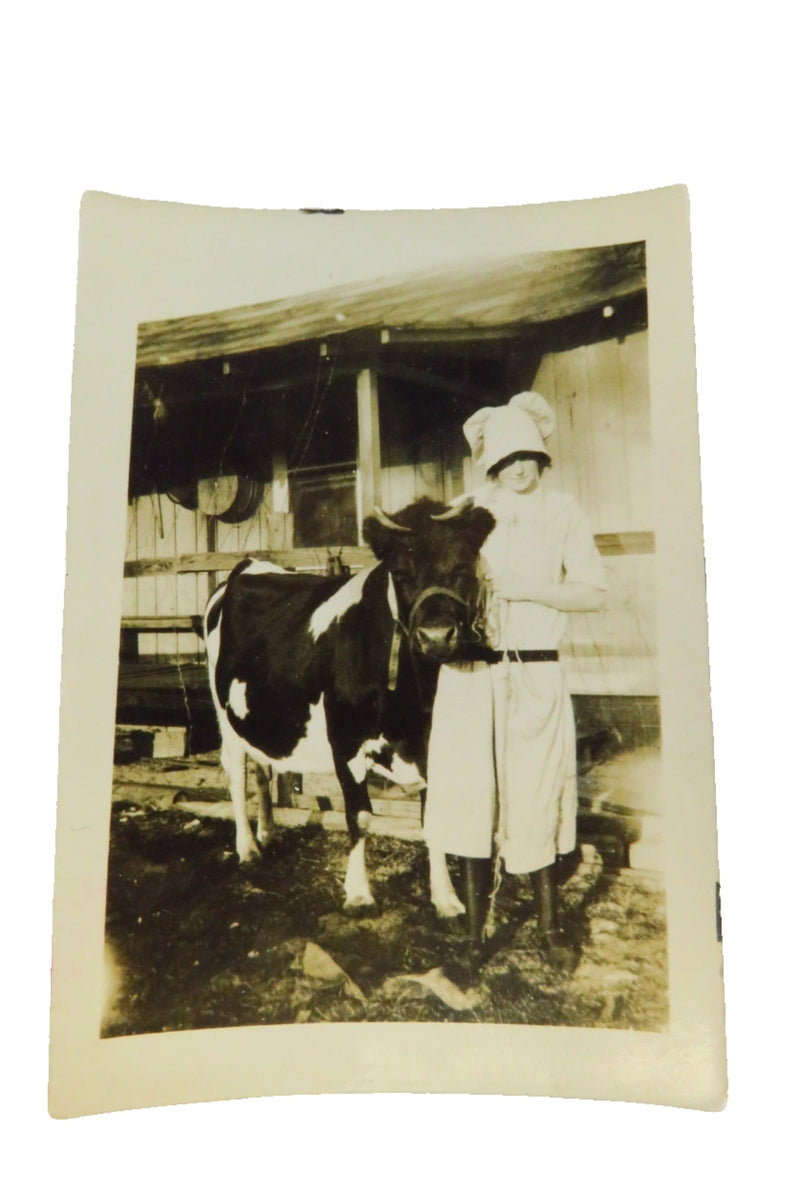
[
  {"x": 387, "y": 729},
  {"x": 386, "y": 756}
]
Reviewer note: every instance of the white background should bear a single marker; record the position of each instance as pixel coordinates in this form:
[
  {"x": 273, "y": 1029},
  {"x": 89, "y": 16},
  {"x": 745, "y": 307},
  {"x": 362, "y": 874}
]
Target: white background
[{"x": 423, "y": 105}]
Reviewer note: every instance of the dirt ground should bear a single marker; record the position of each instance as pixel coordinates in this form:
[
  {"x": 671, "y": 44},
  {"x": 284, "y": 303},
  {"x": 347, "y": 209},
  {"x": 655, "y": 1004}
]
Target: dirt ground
[{"x": 196, "y": 941}]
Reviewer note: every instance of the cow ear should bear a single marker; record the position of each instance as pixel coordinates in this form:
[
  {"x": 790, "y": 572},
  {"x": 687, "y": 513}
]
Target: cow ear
[
  {"x": 377, "y": 536},
  {"x": 478, "y": 522}
]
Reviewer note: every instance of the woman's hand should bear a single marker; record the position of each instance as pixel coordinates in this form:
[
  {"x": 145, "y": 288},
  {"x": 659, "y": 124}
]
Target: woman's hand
[{"x": 510, "y": 584}]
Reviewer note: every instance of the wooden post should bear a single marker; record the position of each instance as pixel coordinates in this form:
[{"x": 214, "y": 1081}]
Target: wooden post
[
  {"x": 211, "y": 547},
  {"x": 280, "y": 471},
  {"x": 368, "y": 483}
]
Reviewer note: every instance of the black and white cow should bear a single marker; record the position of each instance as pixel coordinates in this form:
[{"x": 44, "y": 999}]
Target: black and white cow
[{"x": 310, "y": 672}]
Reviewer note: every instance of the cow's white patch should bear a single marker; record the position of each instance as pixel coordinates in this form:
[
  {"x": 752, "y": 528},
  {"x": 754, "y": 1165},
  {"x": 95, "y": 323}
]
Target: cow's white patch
[
  {"x": 258, "y": 567},
  {"x": 340, "y": 602},
  {"x": 376, "y": 745},
  {"x": 358, "y": 766},
  {"x": 402, "y": 773},
  {"x": 237, "y": 698},
  {"x": 356, "y": 884}
]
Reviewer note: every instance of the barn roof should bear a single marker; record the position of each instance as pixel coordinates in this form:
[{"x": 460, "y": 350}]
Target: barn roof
[{"x": 519, "y": 291}]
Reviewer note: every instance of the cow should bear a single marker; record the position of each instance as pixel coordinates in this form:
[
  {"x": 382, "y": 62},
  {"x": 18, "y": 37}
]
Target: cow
[{"x": 310, "y": 672}]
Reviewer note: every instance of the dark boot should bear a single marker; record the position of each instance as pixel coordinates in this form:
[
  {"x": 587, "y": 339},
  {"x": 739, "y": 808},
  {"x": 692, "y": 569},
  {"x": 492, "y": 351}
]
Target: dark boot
[
  {"x": 555, "y": 948},
  {"x": 477, "y": 874}
]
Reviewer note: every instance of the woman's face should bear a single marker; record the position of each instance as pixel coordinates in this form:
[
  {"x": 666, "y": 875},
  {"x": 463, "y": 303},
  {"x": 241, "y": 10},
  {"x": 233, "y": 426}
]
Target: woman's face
[{"x": 519, "y": 473}]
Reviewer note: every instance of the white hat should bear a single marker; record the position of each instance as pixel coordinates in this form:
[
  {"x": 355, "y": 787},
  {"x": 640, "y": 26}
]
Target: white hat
[{"x": 524, "y": 425}]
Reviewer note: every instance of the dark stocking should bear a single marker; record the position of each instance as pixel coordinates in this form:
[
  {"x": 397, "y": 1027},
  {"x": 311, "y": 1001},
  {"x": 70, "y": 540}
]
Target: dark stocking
[
  {"x": 477, "y": 874},
  {"x": 554, "y": 946}
]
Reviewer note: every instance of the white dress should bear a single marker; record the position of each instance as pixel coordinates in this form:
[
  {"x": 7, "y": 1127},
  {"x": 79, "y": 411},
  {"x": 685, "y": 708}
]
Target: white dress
[{"x": 501, "y": 763}]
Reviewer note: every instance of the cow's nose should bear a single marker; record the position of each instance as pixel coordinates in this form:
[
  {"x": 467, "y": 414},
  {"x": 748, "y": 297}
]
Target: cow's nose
[{"x": 437, "y": 638}]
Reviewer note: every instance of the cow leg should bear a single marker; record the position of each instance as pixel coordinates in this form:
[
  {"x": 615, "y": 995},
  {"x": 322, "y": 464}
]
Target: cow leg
[
  {"x": 264, "y": 782},
  {"x": 234, "y": 761},
  {"x": 357, "y": 892},
  {"x": 443, "y": 896}
]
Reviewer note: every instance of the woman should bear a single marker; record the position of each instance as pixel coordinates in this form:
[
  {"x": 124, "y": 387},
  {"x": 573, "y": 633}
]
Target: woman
[{"x": 501, "y": 767}]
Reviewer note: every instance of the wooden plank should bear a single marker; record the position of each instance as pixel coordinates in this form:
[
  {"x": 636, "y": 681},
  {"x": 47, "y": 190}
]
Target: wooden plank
[
  {"x": 188, "y": 601},
  {"x": 129, "y": 596},
  {"x": 166, "y": 585},
  {"x": 636, "y": 413},
  {"x": 398, "y": 486},
  {"x": 614, "y": 650},
  {"x": 457, "y": 334},
  {"x": 202, "y": 563},
  {"x": 226, "y": 537},
  {"x": 563, "y": 472},
  {"x": 397, "y": 467},
  {"x": 280, "y": 527},
  {"x": 452, "y": 463},
  {"x": 612, "y": 544},
  {"x": 131, "y": 533},
  {"x": 146, "y": 586},
  {"x": 163, "y": 624},
  {"x": 214, "y": 803},
  {"x": 280, "y": 466},
  {"x": 368, "y": 478},
  {"x": 609, "y": 442},
  {"x": 359, "y": 557},
  {"x": 408, "y": 808},
  {"x": 573, "y": 367}
]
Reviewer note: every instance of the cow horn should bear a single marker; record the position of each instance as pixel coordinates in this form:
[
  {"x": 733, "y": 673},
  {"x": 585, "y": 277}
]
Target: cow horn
[
  {"x": 455, "y": 509},
  {"x": 387, "y": 521}
]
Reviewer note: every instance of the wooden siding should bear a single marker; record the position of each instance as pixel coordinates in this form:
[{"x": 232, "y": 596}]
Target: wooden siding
[
  {"x": 160, "y": 530},
  {"x": 601, "y": 448},
  {"x": 602, "y": 455},
  {"x": 614, "y": 651}
]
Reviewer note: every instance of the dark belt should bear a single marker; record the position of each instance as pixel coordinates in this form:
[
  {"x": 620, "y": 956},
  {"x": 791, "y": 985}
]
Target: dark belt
[{"x": 493, "y": 656}]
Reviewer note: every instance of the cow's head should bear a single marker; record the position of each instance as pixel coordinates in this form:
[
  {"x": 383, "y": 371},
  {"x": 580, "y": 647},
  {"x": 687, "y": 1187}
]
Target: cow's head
[{"x": 431, "y": 551}]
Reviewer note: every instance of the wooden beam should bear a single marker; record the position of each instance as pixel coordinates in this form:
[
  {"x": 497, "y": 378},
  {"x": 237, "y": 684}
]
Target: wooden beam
[
  {"x": 163, "y": 624},
  {"x": 204, "y": 563},
  {"x": 368, "y": 480},
  {"x": 529, "y": 288},
  {"x": 439, "y": 382},
  {"x": 458, "y": 334},
  {"x": 611, "y": 544},
  {"x": 280, "y": 468}
]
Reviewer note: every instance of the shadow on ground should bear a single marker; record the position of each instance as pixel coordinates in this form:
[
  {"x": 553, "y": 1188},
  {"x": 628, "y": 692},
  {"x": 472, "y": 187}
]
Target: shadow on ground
[{"x": 196, "y": 941}]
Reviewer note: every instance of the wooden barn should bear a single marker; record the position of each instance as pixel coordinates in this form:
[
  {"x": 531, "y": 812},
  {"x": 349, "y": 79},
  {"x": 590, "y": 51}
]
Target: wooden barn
[{"x": 271, "y": 430}]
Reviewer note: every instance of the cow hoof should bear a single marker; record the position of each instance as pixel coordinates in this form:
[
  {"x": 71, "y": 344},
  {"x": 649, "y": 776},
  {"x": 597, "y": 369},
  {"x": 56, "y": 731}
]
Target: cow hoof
[
  {"x": 360, "y": 902},
  {"x": 249, "y": 856},
  {"x": 449, "y": 908}
]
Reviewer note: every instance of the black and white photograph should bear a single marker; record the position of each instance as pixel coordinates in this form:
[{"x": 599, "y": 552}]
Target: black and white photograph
[
  {"x": 387, "y": 723},
  {"x": 384, "y": 744}
]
